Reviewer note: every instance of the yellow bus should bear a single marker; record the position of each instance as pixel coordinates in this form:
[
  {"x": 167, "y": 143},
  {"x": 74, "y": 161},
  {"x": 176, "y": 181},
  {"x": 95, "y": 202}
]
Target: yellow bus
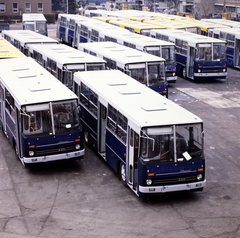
[
  {"x": 7, "y": 50},
  {"x": 204, "y": 26},
  {"x": 174, "y": 25},
  {"x": 136, "y": 27}
]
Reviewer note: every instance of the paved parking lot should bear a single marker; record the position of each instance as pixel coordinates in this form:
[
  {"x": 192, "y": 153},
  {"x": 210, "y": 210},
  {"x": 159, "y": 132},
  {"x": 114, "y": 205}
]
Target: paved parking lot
[{"x": 86, "y": 198}]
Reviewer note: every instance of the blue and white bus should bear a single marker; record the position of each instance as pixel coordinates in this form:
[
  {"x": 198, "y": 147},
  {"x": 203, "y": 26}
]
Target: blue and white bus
[
  {"x": 67, "y": 26},
  {"x": 62, "y": 61},
  {"x": 22, "y": 38},
  {"x": 38, "y": 114},
  {"x": 153, "y": 144},
  {"x": 143, "y": 67},
  {"x": 197, "y": 56},
  {"x": 98, "y": 32},
  {"x": 232, "y": 37}
]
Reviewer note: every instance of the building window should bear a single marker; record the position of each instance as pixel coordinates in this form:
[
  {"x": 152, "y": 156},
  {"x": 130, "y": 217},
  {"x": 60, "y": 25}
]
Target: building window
[
  {"x": 27, "y": 7},
  {"x": 230, "y": 9},
  {"x": 15, "y": 7},
  {"x": 40, "y": 7},
  {"x": 2, "y": 7},
  {"x": 218, "y": 8}
]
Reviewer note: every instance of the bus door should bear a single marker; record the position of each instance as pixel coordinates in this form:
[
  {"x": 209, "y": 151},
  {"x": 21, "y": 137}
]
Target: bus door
[
  {"x": 132, "y": 160},
  {"x": 237, "y": 53},
  {"x": 190, "y": 62},
  {"x": 102, "y": 129}
]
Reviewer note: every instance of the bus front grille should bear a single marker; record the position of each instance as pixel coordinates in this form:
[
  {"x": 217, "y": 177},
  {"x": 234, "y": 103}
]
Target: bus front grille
[
  {"x": 175, "y": 180},
  {"x": 58, "y": 150}
]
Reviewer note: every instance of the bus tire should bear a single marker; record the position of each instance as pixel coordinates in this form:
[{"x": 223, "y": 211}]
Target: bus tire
[
  {"x": 184, "y": 74},
  {"x": 122, "y": 174},
  {"x": 86, "y": 136}
]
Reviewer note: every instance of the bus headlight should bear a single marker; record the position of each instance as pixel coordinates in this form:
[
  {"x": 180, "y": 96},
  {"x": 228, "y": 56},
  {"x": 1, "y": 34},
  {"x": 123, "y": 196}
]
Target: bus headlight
[
  {"x": 148, "y": 181},
  {"x": 199, "y": 176},
  {"x": 77, "y": 147},
  {"x": 199, "y": 70},
  {"x": 224, "y": 70},
  {"x": 31, "y": 153},
  {"x": 174, "y": 74}
]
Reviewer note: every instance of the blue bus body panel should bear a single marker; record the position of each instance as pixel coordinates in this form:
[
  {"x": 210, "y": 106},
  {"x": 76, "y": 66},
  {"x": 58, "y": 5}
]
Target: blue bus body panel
[
  {"x": 10, "y": 127},
  {"x": 160, "y": 89},
  {"x": 181, "y": 62},
  {"x": 90, "y": 122},
  {"x": 70, "y": 36},
  {"x": 115, "y": 151},
  {"x": 62, "y": 31},
  {"x": 51, "y": 142},
  {"x": 83, "y": 39},
  {"x": 230, "y": 54},
  {"x": 171, "y": 67}
]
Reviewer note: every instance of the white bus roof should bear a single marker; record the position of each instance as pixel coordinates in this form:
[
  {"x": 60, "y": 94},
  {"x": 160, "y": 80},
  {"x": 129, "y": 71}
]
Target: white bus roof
[
  {"x": 142, "y": 106},
  {"x": 63, "y": 54},
  {"x": 28, "y": 37},
  {"x": 100, "y": 25},
  {"x": 137, "y": 39},
  {"x": 191, "y": 38},
  {"x": 233, "y": 24},
  {"x": 29, "y": 83},
  {"x": 119, "y": 53},
  {"x": 33, "y": 17},
  {"x": 73, "y": 17},
  {"x": 233, "y": 31}
]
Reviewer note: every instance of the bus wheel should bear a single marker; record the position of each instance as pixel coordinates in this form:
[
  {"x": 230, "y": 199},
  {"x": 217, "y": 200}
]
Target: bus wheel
[
  {"x": 184, "y": 74},
  {"x": 86, "y": 137},
  {"x": 122, "y": 174}
]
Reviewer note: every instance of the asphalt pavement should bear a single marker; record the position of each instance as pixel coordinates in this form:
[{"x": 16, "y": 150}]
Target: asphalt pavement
[{"x": 86, "y": 198}]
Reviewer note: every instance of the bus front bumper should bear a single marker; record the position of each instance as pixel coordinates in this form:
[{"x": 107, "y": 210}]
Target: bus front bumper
[
  {"x": 172, "y": 79},
  {"x": 48, "y": 158},
  {"x": 172, "y": 188},
  {"x": 211, "y": 75}
]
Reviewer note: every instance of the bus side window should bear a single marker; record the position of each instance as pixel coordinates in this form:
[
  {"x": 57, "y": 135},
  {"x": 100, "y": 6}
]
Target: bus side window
[
  {"x": 84, "y": 95},
  {"x": 112, "y": 118},
  {"x": 9, "y": 103}
]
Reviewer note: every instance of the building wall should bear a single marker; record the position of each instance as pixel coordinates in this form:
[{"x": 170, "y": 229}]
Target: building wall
[{"x": 12, "y": 13}]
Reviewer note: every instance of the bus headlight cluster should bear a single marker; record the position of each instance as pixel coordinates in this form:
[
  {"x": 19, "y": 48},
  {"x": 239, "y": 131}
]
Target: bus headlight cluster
[
  {"x": 199, "y": 70},
  {"x": 174, "y": 74},
  {"x": 31, "y": 153},
  {"x": 224, "y": 70},
  {"x": 148, "y": 181},
  {"x": 77, "y": 147},
  {"x": 199, "y": 176}
]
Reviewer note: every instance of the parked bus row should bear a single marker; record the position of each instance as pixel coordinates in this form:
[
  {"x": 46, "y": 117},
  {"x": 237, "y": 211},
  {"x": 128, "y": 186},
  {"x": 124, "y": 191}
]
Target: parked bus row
[
  {"x": 125, "y": 122},
  {"x": 145, "y": 68},
  {"x": 188, "y": 24},
  {"x": 62, "y": 61},
  {"x": 88, "y": 30}
]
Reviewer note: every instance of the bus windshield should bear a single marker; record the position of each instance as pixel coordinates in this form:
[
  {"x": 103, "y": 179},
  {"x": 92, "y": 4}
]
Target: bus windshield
[
  {"x": 29, "y": 26},
  {"x": 92, "y": 67},
  {"x": 50, "y": 118},
  {"x": 41, "y": 27},
  {"x": 154, "y": 76},
  {"x": 172, "y": 144},
  {"x": 168, "y": 53},
  {"x": 207, "y": 52}
]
